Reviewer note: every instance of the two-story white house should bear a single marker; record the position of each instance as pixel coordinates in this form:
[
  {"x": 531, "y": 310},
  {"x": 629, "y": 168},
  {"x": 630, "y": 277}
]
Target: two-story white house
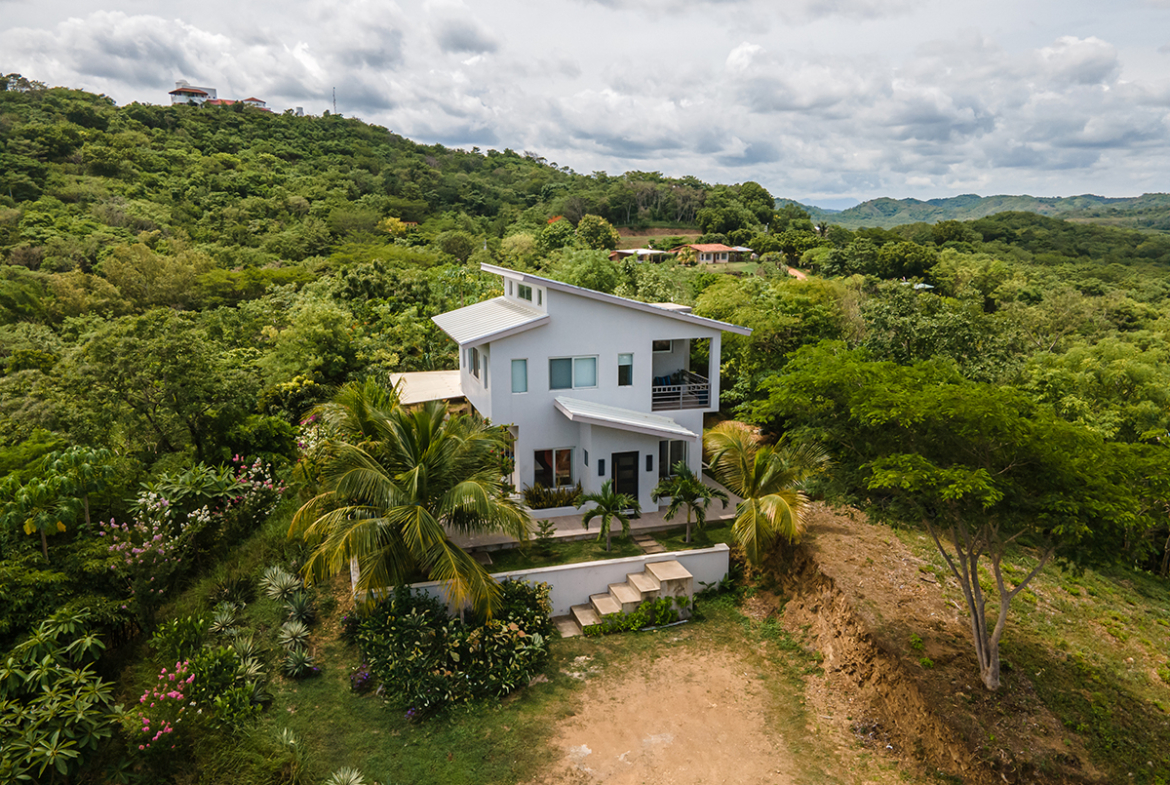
[{"x": 593, "y": 387}]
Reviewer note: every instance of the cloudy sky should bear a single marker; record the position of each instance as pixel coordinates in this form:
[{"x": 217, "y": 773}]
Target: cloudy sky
[{"x": 827, "y": 101}]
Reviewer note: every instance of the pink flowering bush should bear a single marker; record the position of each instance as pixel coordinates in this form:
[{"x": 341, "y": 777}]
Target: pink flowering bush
[
  {"x": 166, "y": 715},
  {"x": 166, "y": 537}
]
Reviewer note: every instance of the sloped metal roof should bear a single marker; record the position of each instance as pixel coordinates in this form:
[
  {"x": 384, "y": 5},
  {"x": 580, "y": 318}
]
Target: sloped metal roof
[
  {"x": 489, "y": 320},
  {"x": 558, "y": 286},
  {"x": 622, "y": 419},
  {"x": 423, "y": 386}
]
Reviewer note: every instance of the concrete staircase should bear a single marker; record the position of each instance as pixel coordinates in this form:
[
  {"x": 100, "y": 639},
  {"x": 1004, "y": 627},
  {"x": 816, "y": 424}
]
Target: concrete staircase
[{"x": 658, "y": 579}]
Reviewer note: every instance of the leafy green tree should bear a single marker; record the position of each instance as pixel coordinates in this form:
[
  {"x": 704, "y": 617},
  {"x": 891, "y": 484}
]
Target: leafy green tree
[
  {"x": 768, "y": 478},
  {"x": 393, "y": 482},
  {"x": 589, "y": 269},
  {"x": 455, "y": 243},
  {"x": 686, "y": 490},
  {"x": 84, "y": 470},
  {"x": 980, "y": 465},
  {"x": 558, "y": 234},
  {"x": 609, "y": 506},
  {"x": 40, "y": 506},
  {"x": 597, "y": 233},
  {"x": 54, "y": 709}
]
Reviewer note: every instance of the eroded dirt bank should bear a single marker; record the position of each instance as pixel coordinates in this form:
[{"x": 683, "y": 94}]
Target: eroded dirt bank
[{"x": 875, "y": 612}]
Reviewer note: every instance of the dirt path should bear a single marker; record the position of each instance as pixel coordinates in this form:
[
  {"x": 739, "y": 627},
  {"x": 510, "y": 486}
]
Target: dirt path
[{"x": 700, "y": 720}]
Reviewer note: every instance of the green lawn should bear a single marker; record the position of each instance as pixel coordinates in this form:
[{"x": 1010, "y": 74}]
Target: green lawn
[{"x": 591, "y": 550}]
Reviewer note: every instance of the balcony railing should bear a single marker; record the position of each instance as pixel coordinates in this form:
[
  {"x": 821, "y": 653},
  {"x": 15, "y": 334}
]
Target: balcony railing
[{"x": 691, "y": 392}]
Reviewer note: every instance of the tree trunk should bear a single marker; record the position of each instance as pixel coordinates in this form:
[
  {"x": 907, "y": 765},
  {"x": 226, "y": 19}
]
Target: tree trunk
[
  {"x": 607, "y": 539},
  {"x": 44, "y": 545},
  {"x": 964, "y": 565},
  {"x": 688, "y": 525},
  {"x": 85, "y": 504}
]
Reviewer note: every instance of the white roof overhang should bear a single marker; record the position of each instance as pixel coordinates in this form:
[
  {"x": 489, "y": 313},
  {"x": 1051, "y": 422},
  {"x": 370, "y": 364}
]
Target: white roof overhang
[
  {"x": 488, "y": 321},
  {"x": 622, "y": 419},
  {"x": 558, "y": 286}
]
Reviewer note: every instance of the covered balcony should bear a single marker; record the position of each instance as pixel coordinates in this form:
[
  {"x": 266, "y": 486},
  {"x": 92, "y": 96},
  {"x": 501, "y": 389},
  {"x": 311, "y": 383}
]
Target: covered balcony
[{"x": 680, "y": 390}]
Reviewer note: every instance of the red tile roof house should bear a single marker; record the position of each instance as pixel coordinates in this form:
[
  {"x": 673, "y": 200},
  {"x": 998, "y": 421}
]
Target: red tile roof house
[
  {"x": 187, "y": 93},
  {"x": 709, "y": 253}
]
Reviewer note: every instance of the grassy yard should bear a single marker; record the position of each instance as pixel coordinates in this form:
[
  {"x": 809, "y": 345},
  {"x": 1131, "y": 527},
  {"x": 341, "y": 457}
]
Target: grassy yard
[
  {"x": 1095, "y": 646},
  {"x": 509, "y": 741},
  {"x": 590, "y": 550}
]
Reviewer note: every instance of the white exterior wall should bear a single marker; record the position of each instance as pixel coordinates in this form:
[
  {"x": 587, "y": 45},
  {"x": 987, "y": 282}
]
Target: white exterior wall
[
  {"x": 572, "y": 584},
  {"x": 580, "y": 326}
]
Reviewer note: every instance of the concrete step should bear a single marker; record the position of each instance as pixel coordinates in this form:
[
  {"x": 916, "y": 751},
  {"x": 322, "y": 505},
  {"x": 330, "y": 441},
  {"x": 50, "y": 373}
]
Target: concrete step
[
  {"x": 605, "y": 604},
  {"x": 674, "y": 579},
  {"x": 567, "y": 626},
  {"x": 646, "y": 584},
  {"x": 652, "y": 548},
  {"x": 626, "y": 595},
  {"x": 585, "y": 616}
]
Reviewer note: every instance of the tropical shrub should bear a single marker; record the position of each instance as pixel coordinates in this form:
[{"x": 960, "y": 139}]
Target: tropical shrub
[
  {"x": 538, "y": 497},
  {"x": 427, "y": 660},
  {"x": 54, "y": 710},
  {"x": 180, "y": 638},
  {"x": 293, "y": 635},
  {"x": 279, "y": 584},
  {"x": 298, "y": 664},
  {"x": 651, "y": 613}
]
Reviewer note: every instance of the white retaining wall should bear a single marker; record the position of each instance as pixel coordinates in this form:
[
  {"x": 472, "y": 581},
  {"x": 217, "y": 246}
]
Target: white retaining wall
[{"x": 571, "y": 584}]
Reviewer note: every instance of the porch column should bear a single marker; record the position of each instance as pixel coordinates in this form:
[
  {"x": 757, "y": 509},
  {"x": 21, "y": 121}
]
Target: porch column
[{"x": 713, "y": 365}]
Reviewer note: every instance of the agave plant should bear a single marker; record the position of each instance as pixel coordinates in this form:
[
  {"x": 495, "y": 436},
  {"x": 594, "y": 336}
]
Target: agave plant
[
  {"x": 346, "y": 776},
  {"x": 293, "y": 635},
  {"x": 279, "y": 584},
  {"x": 239, "y": 590},
  {"x": 299, "y": 664},
  {"x": 251, "y": 671},
  {"x": 224, "y": 618},
  {"x": 246, "y": 646},
  {"x": 300, "y": 608},
  {"x": 260, "y": 695}
]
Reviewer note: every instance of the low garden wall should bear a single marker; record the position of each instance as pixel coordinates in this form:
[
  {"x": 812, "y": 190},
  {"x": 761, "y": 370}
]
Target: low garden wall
[{"x": 571, "y": 584}]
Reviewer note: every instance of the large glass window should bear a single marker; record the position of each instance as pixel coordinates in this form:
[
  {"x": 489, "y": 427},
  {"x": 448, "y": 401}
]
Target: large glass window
[
  {"x": 585, "y": 372},
  {"x": 519, "y": 376},
  {"x": 524, "y": 292},
  {"x": 553, "y": 468},
  {"x": 560, "y": 374},
  {"x": 670, "y": 453},
  {"x": 566, "y": 373},
  {"x": 625, "y": 370}
]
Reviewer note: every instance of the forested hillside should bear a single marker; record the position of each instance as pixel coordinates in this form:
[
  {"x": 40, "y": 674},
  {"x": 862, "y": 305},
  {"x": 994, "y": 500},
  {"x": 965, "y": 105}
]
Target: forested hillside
[
  {"x": 1149, "y": 211},
  {"x": 181, "y": 285}
]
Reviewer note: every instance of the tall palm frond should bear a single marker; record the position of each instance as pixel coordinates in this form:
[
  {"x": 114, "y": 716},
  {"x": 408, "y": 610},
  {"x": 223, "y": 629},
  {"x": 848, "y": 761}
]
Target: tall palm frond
[
  {"x": 394, "y": 483},
  {"x": 610, "y": 506},
  {"x": 768, "y": 479}
]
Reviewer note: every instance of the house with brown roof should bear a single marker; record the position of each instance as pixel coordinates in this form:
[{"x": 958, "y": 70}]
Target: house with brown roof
[
  {"x": 187, "y": 93},
  {"x": 707, "y": 253}
]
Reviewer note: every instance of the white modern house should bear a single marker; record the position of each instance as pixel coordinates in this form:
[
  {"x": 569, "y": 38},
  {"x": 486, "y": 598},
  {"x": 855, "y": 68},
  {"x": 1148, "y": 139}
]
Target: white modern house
[
  {"x": 187, "y": 93},
  {"x": 593, "y": 387}
]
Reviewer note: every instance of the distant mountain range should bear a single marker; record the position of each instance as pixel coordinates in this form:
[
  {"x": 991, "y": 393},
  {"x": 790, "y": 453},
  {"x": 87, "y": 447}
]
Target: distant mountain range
[{"x": 1148, "y": 211}]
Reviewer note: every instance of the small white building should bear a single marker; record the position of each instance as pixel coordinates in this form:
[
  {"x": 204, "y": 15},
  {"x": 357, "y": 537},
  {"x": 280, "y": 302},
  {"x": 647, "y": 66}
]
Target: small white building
[
  {"x": 593, "y": 387},
  {"x": 187, "y": 93}
]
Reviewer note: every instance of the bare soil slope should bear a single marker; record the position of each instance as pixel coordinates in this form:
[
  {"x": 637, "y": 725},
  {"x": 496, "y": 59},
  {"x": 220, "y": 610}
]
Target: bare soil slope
[{"x": 898, "y": 667}]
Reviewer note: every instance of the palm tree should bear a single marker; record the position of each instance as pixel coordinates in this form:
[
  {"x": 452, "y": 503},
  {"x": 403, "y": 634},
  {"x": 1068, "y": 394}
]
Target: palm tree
[
  {"x": 609, "y": 507},
  {"x": 686, "y": 489},
  {"x": 393, "y": 483},
  {"x": 767, "y": 478}
]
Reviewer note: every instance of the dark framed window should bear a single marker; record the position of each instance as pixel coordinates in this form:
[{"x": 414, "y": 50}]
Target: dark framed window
[
  {"x": 649, "y": 463},
  {"x": 473, "y": 357},
  {"x": 524, "y": 292},
  {"x": 600, "y": 467},
  {"x": 566, "y": 373},
  {"x": 625, "y": 370},
  {"x": 669, "y": 454},
  {"x": 553, "y": 468},
  {"x": 662, "y": 347}
]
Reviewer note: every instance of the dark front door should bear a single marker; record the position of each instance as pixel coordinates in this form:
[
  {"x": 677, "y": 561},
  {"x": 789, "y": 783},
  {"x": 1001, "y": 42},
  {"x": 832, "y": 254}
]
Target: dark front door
[{"x": 625, "y": 473}]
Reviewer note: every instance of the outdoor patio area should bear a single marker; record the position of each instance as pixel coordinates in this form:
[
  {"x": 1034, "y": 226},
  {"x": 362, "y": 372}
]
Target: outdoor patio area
[{"x": 568, "y": 527}]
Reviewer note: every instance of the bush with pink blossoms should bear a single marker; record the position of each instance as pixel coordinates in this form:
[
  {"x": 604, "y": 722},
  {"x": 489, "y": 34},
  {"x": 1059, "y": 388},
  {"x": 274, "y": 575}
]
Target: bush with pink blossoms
[{"x": 163, "y": 725}]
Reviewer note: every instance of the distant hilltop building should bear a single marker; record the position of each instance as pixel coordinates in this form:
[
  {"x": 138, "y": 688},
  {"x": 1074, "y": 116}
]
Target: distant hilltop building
[{"x": 187, "y": 93}]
